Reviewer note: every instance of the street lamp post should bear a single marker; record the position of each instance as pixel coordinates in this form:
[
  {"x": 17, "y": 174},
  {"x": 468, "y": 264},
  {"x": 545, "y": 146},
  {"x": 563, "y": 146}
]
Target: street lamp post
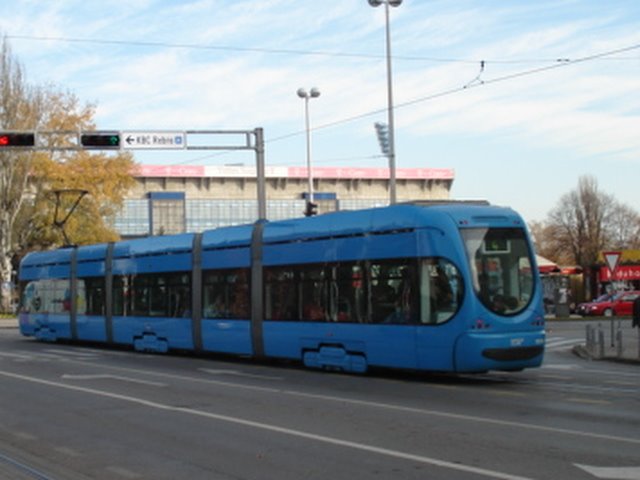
[
  {"x": 392, "y": 146},
  {"x": 313, "y": 93}
]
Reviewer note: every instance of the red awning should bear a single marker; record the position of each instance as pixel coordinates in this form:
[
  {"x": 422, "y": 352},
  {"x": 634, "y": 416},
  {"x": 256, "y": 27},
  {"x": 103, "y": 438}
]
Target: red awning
[{"x": 546, "y": 266}]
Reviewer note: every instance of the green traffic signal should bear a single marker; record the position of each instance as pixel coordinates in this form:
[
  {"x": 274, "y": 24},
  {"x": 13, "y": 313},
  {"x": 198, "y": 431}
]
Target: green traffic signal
[{"x": 100, "y": 140}]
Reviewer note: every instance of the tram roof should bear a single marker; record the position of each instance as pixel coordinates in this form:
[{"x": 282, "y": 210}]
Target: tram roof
[{"x": 437, "y": 214}]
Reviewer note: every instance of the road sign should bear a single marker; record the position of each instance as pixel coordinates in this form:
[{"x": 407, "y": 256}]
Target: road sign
[
  {"x": 612, "y": 259},
  {"x": 153, "y": 140}
]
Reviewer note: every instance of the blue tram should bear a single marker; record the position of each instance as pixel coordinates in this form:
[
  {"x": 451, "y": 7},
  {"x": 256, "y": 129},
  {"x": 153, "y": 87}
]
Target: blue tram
[{"x": 441, "y": 287}]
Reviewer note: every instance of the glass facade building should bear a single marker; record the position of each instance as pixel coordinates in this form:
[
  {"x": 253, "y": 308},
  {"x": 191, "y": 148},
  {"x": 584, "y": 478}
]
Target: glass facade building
[{"x": 169, "y": 200}]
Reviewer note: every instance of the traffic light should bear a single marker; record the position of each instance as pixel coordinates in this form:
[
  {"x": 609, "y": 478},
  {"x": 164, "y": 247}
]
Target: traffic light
[
  {"x": 11, "y": 139},
  {"x": 100, "y": 140},
  {"x": 312, "y": 209}
]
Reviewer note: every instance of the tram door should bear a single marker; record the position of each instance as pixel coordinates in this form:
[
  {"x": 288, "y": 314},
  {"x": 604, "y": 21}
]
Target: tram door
[
  {"x": 393, "y": 306},
  {"x": 441, "y": 293}
]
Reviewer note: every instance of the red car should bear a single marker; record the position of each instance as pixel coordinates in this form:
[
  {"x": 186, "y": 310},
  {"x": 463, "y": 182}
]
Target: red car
[
  {"x": 586, "y": 307},
  {"x": 621, "y": 304}
]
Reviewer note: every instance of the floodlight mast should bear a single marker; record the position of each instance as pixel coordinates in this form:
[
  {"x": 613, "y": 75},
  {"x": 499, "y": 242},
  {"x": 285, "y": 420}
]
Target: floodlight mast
[
  {"x": 311, "y": 207},
  {"x": 392, "y": 147}
]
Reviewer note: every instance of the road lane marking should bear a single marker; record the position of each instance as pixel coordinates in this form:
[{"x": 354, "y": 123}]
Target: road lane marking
[
  {"x": 613, "y": 473},
  {"x": 559, "y": 366},
  {"x": 555, "y": 377},
  {"x": 560, "y": 343},
  {"x": 71, "y": 353},
  {"x": 589, "y": 401},
  {"x": 275, "y": 429},
  {"x": 123, "y": 472},
  {"x": 103, "y": 376},
  {"x": 17, "y": 356},
  {"x": 621, "y": 383},
  {"x": 237, "y": 373},
  {"x": 385, "y": 406},
  {"x": 24, "y": 468},
  {"x": 70, "y": 452},
  {"x": 506, "y": 393}
]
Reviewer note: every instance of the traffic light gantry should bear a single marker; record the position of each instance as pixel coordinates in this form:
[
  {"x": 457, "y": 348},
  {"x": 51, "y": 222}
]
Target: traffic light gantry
[{"x": 63, "y": 140}]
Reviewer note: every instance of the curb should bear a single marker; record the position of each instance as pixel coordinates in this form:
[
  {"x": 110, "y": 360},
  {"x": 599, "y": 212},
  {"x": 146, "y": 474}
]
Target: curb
[
  {"x": 6, "y": 323},
  {"x": 582, "y": 352}
]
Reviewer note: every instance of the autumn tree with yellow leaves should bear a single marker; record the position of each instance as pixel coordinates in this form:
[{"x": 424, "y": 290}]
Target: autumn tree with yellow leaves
[{"x": 38, "y": 189}]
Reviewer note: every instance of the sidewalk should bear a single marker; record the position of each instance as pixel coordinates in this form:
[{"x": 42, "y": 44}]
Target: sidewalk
[{"x": 8, "y": 323}]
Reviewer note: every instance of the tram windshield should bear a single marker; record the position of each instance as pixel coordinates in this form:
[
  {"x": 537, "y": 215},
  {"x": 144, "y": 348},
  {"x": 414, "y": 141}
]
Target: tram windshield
[{"x": 500, "y": 264}]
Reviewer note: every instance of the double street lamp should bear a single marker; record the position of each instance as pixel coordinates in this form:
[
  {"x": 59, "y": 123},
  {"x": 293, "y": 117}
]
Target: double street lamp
[
  {"x": 311, "y": 207},
  {"x": 392, "y": 148}
]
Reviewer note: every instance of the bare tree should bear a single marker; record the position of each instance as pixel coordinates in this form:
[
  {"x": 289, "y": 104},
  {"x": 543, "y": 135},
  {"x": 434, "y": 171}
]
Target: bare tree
[
  {"x": 547, "y": 238},
  {"x": 19, "y": 110},
  {"x": 578, "y": 222},
  {"x": 623, "y": 227}
]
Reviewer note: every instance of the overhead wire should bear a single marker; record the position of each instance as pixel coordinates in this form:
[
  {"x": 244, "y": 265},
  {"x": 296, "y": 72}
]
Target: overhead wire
[
  {"x": 451, "y": 91},
  {"x": 277, "y": 51},
  {"x": 473, "y": 84},
  {"x": 476, "y": 82}
]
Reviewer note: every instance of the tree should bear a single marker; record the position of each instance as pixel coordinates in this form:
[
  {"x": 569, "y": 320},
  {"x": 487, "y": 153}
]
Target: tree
[
  {"x": 578, "y": 222},
  {"x": 584, "y": 223},
  {"x": 28, "y": 180},
  {"x": 623, "y": 227},
  {"x": 20, "y": 108},
  {"x": 547, "y": 238},
  {"x": 59, "y": 178}
]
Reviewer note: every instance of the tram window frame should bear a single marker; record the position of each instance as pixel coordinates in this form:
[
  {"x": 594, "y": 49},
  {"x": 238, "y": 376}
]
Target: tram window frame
[
  {"x": 93, "y": 295},
  {"x": 314, "y": 293},
  {"x": 441, "y": 290},
  {"x": 166, "y": 294},
  {"x": 392, "y": 294},
  {"x": 226, "y": 294},
  {"x": 47, "y": 296},
  {"x": 282, "y": 293},
  {"x": 345, "y": 291},
  {"x": 120, "y": 292}
]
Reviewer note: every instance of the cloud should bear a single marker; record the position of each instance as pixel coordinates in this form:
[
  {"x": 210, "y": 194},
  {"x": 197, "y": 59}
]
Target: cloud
[{"x": 578, "y": 107}]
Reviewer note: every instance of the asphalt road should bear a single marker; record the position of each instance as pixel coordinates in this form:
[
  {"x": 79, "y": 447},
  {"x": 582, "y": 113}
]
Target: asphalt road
[{"x": 69, "y": 412}]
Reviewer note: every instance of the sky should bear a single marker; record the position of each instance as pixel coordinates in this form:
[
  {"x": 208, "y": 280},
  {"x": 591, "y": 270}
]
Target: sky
[{"x": 520, "y": 98}]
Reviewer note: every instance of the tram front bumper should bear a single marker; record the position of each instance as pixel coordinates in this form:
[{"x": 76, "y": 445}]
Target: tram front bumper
[{"x": 495, "y": 351}]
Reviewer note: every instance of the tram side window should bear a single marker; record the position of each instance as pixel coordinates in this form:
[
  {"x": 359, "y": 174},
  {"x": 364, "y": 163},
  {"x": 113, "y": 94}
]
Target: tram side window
[
  {"x": 393, "y": 295},
  {"x": 47, "y": 296},
  {"x": 121, "y": 305},
  {"x": 281, "y": 294},
  {"x": 226, "y": 294},
  {"x": 153, "y": 295},
  {"x": 350, "y": 294},
  {"x": 441, "y": 290},
  {"x": 179, "y": 300},
  {"x": 91, "y": 301},
  {"x": 139, "y": 292},
  {"x": 315, "y": 291}
]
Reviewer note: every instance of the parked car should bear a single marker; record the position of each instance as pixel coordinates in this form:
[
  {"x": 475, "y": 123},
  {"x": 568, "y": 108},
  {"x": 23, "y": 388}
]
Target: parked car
[
  {"x": 585, "y": 308},
  {"x": 621, "y": 304}
]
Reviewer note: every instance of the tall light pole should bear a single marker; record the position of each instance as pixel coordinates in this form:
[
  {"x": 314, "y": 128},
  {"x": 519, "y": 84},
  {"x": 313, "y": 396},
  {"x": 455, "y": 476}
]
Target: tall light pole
[
  {"x": 392, "y": 145},
  {"x": 313, "y": 93}
]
